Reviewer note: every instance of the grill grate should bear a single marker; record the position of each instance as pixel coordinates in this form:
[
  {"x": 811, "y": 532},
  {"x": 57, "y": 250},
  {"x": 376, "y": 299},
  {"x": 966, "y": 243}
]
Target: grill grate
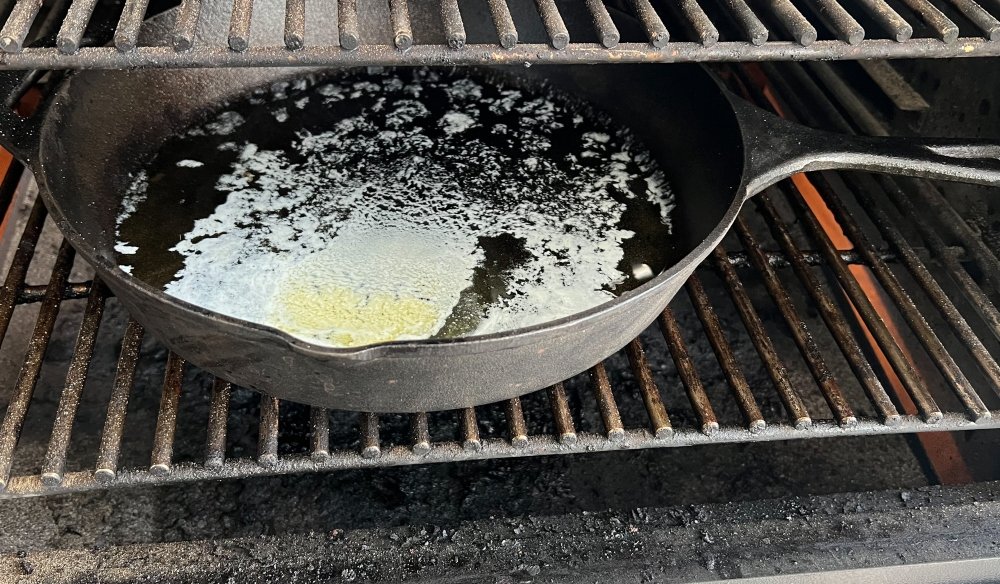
[
  {"x": 327, "y": 33},
  {"x": 656, "y": 393}
]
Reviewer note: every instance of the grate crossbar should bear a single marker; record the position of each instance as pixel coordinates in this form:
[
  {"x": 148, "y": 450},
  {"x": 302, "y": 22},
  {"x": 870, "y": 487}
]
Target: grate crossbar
[{"x": 683, "y": 30}]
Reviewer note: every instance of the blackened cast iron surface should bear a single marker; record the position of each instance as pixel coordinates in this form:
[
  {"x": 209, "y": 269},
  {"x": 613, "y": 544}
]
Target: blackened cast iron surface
[{"x": 98, "y": 127}]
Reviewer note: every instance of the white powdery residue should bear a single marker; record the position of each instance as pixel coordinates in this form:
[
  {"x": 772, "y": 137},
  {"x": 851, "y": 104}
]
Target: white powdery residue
[
  {"x": 280, "y": 114},
  {"x": 658, "y": 192},
  {"x": 125, "y": 249},
  {"x": 508, "y": 98},
  {"x": 464, "y": 89},
  {"x": 537, "y": 111},
  {"x": 590, "y": 139},
  {"x": 332, "y": 92},
  {"x": 188, "y": 163},
  {"x": 279, "y": 90},
  {"x": 225, "y": 123},
  {"x": 125, "y": 268},
  {"x": 406, "y": 112},
  {"x": 228, "y": 147},
  {"x": 135, "y": 194},
  {"x": 364, "y": 88},
  {"x": 302, "y": 103},
  {"x": 455, "y": 122}
]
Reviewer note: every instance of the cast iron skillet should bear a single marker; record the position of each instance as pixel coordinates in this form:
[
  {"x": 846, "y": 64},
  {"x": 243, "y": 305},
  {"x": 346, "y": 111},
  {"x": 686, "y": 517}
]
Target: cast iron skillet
[{"x": 717, "y": 150}]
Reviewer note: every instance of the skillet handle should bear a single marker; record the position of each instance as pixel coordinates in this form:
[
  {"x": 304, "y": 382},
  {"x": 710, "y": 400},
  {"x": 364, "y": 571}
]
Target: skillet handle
[
  {"x": 779, "y": 148},
  {"x": 18, "y": 134}
]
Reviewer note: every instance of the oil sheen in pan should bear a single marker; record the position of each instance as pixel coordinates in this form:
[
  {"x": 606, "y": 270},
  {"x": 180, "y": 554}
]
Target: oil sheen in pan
[{"x": 395, "y": 205}]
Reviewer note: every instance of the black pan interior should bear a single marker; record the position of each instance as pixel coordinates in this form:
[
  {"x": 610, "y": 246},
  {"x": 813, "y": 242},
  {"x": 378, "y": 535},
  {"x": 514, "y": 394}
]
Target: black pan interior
[{"x": 98, "y": 134}]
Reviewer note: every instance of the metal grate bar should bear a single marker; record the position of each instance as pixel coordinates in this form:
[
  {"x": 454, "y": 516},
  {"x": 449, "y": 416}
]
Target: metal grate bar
[
  {"x": 420, "y": 434},
  {"x": 218, "y": 416},
  {"x": 888, "y": 19},
  {"x": 834, "y": 319},
  {"x": 688, "y": 373},
  {"x": 454, "y": 28},
  {"x": 924, "y": 333},
  {"x": 114, "y": 422},
  {"x": 36, "y": 293},
  {"x": 755, "y": 30},
  {"x": 469, "y": 429},
  {"x": 127, "y": 31},
  {"x": 934, "y": 291},
  {"x": 979, "y": 17},
  {"x": 14, "y": 281},
  {"x": 166, "y": 420},
  {"x": 55, "y": 456},
  {"x": 724, "y": 352},
  {"x": 776, "y": 369},
  {"x": 607, "y": 32},
  {"x": 553, "y": 22},
  {"x": 933, "y": 17},
  {"x": 656, "y": 31},
  {"x": 972, "y": 291},
  {"x": 434, "y": 55},
  {"x": 186, "y": 25},
  {"x": 267, "y": 435},
  {"x": 370, "y": 442},
  {"x": 976, "y": 249},
  {"x": 698, "y": 22},
  {"x": 319, "y": 434},
  {"x": 516, "y": 426},
  {"x": 75, "y": 24},
  {"x": 794, "y": 22},
  {"x": 840, "y": 21},
  {"x": 565, "y": 430},
  {"x": 399, "y": 15},
  {"x": 800, "y": 333},
  {"x": 658, "y": 418},
  {"x": 17, "y": 408},
  {"x": 901, "y": 364},
  {"x": 239, "y": 25},
  {"x": 606, "y": 403},
  {"x": 793, "y": 37},
  {"x": 15, "y": 30},
  {"x": 492, "y": 449},
  {"x": 504, "y": 23},
  {"x": 295, "y": 24},
  {"x": 347, "y": 21}
]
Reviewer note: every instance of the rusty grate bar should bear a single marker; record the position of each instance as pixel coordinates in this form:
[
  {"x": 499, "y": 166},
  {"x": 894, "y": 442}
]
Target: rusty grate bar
[
  {"x": 114, "y": 424},
  {"x": 69, "y": 400},
  {"x": 713, "y": 30},
  {"x": 215, "y": 444}
]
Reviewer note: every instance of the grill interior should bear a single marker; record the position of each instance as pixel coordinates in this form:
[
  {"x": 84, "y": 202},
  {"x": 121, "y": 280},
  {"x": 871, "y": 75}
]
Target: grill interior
[
  {"x": 503, "y": 31},
  {"x": 764, "y": 345},
  {"x": 870, "y": 318}
]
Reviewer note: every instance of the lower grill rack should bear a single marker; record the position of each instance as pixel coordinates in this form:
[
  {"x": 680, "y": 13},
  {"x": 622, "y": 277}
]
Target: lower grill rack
[{"x": 790, "y": 330}]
